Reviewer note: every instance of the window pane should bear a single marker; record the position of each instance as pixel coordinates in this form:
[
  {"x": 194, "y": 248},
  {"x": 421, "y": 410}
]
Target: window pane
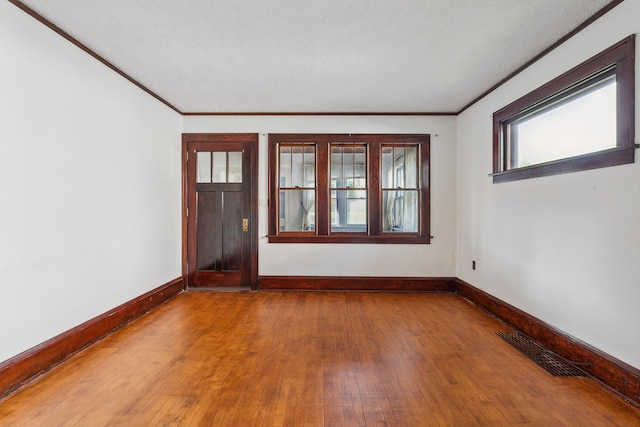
[
  {"x": 398, "y": 167},
  {"x": 337, "y": 176},
  {"x": 400, "y": 211},
  {"x": 297, "y": 210},
  {"x": 309, "y": 166},
  {"x": 235, "y": 166},
  {"x": 411, "y": 167},
  {"x": 297, "y": 166},
  {"x": 297, "y": 163},
  {"x": 387, "y": 167},
  {"x": 335, "y": 219},
  {"x": 359, "y": 168},
  {"x": 348, "y": 211},
  {"x": 203, "y": 169},
  {"x": 220, "y": 166},
  {"x": 285, "y": 166},
  {"x": 583, "y": 125},
  {"x": 357, "y": 211},
  {"x": 348, "y": 166}
]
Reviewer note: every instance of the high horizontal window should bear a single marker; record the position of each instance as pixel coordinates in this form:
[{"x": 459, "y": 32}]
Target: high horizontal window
[
  {"x": 349, "y": 188},
  {"x": 582, "y": 120}
]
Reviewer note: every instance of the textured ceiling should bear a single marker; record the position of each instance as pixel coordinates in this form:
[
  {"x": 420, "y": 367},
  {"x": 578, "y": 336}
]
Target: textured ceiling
[{"x": 317, "y": 55}]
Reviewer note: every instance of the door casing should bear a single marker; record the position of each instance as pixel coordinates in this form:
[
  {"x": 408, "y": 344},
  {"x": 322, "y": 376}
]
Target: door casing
[{"x": 250, "y": 141}]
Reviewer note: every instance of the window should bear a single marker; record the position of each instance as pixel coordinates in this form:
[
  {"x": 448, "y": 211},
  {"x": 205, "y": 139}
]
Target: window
[
  {"x": 581, "y": 120},
  {"x": 349, "y": 188}
]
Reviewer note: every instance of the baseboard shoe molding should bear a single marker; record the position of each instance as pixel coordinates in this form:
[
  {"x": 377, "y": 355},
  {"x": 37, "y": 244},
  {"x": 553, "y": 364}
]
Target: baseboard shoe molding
[
  {"x": 30, "y": 363},
  {"x": 619, "y": 376},
  {"x": 348, "y": 283}
]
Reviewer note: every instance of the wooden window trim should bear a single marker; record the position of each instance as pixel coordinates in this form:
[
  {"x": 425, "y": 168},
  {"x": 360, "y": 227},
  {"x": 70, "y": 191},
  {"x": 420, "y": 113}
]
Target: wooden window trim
[
  {"x": 374, "y": 234},
  {"x": 622, "y": 56}
]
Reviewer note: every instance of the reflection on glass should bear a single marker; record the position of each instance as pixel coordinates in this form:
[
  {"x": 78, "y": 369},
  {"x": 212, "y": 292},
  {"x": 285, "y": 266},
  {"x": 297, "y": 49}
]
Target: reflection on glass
[
  {"x": 285, "y": 166},
  {"x": 411, "y": 167},
  {"x": 219, "y": 166},
  {"x": 297, "y": 161},
  {"x": 387, "y": 167},
  {"x": 348, "y": 166},
  {"x": 297, "y": 166},
  {"x": 297, "y": 210},
  {"x": 348, "y": 211},
  {"x": 349, "y": 188},
  {"x": 203, "y": 167},
  {"x": 235, "y": 166},
  {"x": 400, "y": 211},
  {"x": 309, "y": 166},
  {"x": 586, "y": 124},
  {"x": 400, "y": 167}
]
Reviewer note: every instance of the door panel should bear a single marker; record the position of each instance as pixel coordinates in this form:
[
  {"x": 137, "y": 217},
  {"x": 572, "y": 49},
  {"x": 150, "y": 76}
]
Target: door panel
[
  {"x": 231, "y": 231},
  {"x": 220, "y": 191},
  {"x": 206, "y": 252}
]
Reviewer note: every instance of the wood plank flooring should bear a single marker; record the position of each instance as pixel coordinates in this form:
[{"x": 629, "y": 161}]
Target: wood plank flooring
[{"x": 310, "y": 359}]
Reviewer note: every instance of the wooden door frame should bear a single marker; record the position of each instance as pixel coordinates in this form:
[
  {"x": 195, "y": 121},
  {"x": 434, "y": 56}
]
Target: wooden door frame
[{"x": 252, "y": 139}]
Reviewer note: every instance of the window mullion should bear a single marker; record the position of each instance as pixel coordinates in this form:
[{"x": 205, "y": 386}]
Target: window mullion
[
  {"x": 375, "y": 194},
  {"x": 323, "y": 200}
]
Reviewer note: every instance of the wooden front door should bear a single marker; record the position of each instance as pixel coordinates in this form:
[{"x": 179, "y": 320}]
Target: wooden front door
[{"x": 220, "y": 201}]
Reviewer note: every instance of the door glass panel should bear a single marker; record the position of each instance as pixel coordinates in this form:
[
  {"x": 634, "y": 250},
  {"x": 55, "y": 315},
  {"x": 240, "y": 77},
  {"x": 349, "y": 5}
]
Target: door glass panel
[
  {"x": 235, "y": 166},
  {"x": 219, "y": 166},
  {"x": 203, "y": 167}
]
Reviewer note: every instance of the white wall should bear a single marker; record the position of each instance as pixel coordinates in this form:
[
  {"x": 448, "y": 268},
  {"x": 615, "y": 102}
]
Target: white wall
[
  {"x": 563, "y": 248},
  {"x": 436, "y": 259},
  {"x": 89, "y": 186}
]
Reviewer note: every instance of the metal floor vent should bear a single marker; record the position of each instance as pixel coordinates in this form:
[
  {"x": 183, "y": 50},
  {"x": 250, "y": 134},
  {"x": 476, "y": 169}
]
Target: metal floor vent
[{"x": 544, "y": 358}]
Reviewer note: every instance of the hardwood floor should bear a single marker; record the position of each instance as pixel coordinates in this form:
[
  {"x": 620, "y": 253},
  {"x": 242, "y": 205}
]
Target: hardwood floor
[{"x": 310, "y": 359}]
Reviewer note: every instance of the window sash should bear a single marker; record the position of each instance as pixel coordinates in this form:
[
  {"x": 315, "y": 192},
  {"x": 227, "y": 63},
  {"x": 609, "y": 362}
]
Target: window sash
[
  {"x": 356, "y": 190},
  {"x": 617, "y": 61}
]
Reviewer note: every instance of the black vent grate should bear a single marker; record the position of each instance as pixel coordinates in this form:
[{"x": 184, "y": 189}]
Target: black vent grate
[{"x": 544, "y": 358}]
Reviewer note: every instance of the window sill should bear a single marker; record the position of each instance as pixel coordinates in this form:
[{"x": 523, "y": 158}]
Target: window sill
[
  {"x": 394, "y": 239},
  {"x": 600, "y": 159}
]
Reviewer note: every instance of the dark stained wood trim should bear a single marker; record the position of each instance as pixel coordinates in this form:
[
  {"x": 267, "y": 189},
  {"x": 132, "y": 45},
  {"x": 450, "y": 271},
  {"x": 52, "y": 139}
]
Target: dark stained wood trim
[
  {"x": 622, "y": 55},
  {"x": 357, "y": 283},
  {"x": 387, "y": 238},
  {"x": 191, "y": 141},
  {"x": 536, "y": 58},
  {"x": 76, "y": 42},
  {"x": 185, "y": 209},
  {"x": 322, "y": 113},
  {"x": 86, "y": 49},
  {"x": 28, "y": 364},
  {"x": 600, "y": 159},
  {"x": 615, "y": 374},
  {"x": 425, "y": 190},
  {"x": 374, "y": 234}
]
